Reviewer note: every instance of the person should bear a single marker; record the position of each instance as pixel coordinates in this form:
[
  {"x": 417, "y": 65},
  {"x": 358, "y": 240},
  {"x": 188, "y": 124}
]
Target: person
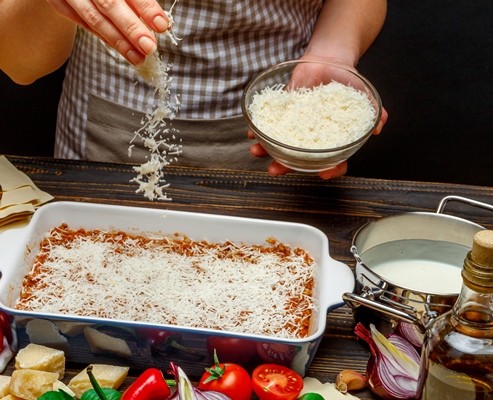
[{"x": 222, "y": 44}]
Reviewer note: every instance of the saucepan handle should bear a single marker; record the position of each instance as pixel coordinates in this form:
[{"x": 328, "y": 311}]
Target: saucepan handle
[
  {"x": 354, "y": 301},
  {"x": 461, "y": 199}
]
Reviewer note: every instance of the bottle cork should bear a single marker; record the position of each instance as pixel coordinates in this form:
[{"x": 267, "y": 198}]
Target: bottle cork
[
  {"x": 477, "y": 272},
  {"x": 482, "y": 248}
]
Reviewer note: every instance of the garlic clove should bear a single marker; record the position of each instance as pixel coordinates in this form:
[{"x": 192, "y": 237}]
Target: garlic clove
[{"x": 347, "y": 380}]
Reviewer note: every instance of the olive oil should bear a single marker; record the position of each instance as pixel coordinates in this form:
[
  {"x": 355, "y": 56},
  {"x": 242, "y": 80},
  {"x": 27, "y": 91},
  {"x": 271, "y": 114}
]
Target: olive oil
[
  {"x": 457, "y": 357},
  {"x": 442, "y": 383},
  {"x": 459, "y": 368}
]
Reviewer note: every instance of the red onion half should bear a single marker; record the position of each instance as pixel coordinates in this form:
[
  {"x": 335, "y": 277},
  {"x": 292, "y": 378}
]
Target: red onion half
[
  {"x": 393, "y": 369},
  {"x": 411, "y": 333}
]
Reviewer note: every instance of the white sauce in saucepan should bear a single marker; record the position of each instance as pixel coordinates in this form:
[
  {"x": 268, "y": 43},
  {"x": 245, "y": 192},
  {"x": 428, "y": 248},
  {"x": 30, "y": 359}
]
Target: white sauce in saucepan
[{"x": 422, "y": 265}]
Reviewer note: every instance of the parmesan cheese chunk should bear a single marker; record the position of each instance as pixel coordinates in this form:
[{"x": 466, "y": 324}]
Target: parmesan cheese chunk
[
  {"x": 11, "y": 397},
  {"x": 324, "y": 117},
  {"x": 41, "y": 358},
  {"x": 30, "y": 384},
  {"x": 108, "y": 376},
  {"x": 4, "y": 385}
]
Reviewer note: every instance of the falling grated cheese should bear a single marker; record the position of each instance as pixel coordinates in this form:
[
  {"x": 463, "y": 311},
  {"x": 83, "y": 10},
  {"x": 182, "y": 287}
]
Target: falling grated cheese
[
  {"x": 266, "y": 290},
  {"x": 154, "y": 131},
  {"x": 324, "y": 117}
]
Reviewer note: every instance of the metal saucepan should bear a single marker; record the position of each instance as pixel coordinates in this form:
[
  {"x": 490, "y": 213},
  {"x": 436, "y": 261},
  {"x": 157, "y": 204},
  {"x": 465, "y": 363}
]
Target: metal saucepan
[{"x": 408, "y": 266}]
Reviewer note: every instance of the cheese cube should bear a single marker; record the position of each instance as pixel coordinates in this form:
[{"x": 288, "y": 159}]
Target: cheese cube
[
  {"x": 41, "y": 358},
  {"x": 108, "y": 376},
  {"x": 29, "y": 384},
  {"x": 4, "y": 385},
  {"x": 11, "y": 397}
]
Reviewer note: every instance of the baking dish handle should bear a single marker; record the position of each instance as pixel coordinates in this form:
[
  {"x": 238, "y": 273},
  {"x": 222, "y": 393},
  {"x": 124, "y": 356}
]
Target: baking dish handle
[
  {"x": 461, "y": 199},
  {"x": 10, "y": 246},
  {"x": 354, "y": 300}
]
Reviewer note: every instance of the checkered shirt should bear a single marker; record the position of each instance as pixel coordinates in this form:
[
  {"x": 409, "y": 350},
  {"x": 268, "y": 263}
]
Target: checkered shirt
[{"x": 223, "y": 44}]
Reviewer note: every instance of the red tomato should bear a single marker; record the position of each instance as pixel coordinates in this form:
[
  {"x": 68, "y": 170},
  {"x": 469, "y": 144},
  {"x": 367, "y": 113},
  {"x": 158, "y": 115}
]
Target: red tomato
[
  {"x": 230, "y": 379},
  {"x": 232, "y": 350},
  {"x": 276, "y": 382}
]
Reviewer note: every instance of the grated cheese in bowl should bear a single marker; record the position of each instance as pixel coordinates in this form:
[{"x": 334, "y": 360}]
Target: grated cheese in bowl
[
  {"x": 324, "y": 117},
  {"x": 311, "y": 115}
]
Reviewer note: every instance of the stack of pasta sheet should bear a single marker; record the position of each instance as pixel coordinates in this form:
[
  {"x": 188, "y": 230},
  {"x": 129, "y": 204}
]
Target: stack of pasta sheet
[{"x": 19, "y": 196}]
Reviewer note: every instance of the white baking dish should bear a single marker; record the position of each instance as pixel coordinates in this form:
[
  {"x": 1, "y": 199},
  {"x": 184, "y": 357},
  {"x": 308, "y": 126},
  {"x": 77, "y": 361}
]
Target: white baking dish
[{"x": 18, "y": 246}]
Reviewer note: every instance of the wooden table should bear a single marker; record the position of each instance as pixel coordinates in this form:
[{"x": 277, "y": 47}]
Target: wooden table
[{"x": 338, "y": 207}]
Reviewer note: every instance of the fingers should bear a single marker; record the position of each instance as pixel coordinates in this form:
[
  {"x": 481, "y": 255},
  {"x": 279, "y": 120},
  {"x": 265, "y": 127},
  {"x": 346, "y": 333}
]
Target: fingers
[
  {"x": 151, "y": 13},
  {"x": 334, "y": 172},
  {"x": 124, "y": 25},
  {"x": 276, "y": 169},
  {"x": 257, "y": 150},
  {"x": 382, "y": 122}
]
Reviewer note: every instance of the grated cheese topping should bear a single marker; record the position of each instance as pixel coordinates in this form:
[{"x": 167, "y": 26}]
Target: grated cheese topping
[
  {"x": 323, "y": 117},
  {"x": 154, "y": 133},
  {"x": 265, "y": 290}
]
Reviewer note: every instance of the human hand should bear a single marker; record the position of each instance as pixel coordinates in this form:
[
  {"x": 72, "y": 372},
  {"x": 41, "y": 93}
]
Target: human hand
[{"x": 124, "y": 25}]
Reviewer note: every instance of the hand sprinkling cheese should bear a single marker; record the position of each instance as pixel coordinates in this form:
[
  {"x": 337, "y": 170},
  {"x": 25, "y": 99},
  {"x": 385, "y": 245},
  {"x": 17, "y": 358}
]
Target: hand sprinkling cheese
[{"x": 154, "y": 131}]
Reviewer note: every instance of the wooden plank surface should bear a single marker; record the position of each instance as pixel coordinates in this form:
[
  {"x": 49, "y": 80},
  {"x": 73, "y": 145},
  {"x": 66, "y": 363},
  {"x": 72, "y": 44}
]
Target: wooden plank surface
[{"x": 338, "y": 208}]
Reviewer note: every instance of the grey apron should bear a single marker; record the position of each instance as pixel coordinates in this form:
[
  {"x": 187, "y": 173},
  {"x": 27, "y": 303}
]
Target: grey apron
[{"x": 218, "y": 143}]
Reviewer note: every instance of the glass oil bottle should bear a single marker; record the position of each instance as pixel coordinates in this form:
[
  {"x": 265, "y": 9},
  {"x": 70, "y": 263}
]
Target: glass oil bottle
[{"x": 457, "y": 357}]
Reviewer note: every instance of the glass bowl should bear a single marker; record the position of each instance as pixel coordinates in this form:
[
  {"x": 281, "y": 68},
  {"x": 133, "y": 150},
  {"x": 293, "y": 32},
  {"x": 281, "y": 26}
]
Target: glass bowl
[{"x": 293, "y": 75}]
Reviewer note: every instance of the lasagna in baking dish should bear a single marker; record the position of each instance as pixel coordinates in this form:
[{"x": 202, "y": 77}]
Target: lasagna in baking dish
[{"x": 256, "y": 289}]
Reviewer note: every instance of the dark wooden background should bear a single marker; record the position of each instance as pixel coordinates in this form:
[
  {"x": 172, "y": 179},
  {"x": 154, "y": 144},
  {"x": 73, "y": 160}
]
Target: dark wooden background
[{"x": 432, "y": 64}]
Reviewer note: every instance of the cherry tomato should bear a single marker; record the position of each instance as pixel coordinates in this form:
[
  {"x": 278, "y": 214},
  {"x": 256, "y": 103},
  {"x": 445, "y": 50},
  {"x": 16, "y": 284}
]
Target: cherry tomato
[
  {"x": 276, "y": 382},
  {"x": 230, "y": 379},
  {"x": 233, "y": 350},
  {"x": 276, "y": 353}
]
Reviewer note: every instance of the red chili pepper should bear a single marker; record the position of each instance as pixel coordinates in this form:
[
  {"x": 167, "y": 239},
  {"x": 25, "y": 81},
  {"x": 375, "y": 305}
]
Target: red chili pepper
[{"x": 150, "y": 385}]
